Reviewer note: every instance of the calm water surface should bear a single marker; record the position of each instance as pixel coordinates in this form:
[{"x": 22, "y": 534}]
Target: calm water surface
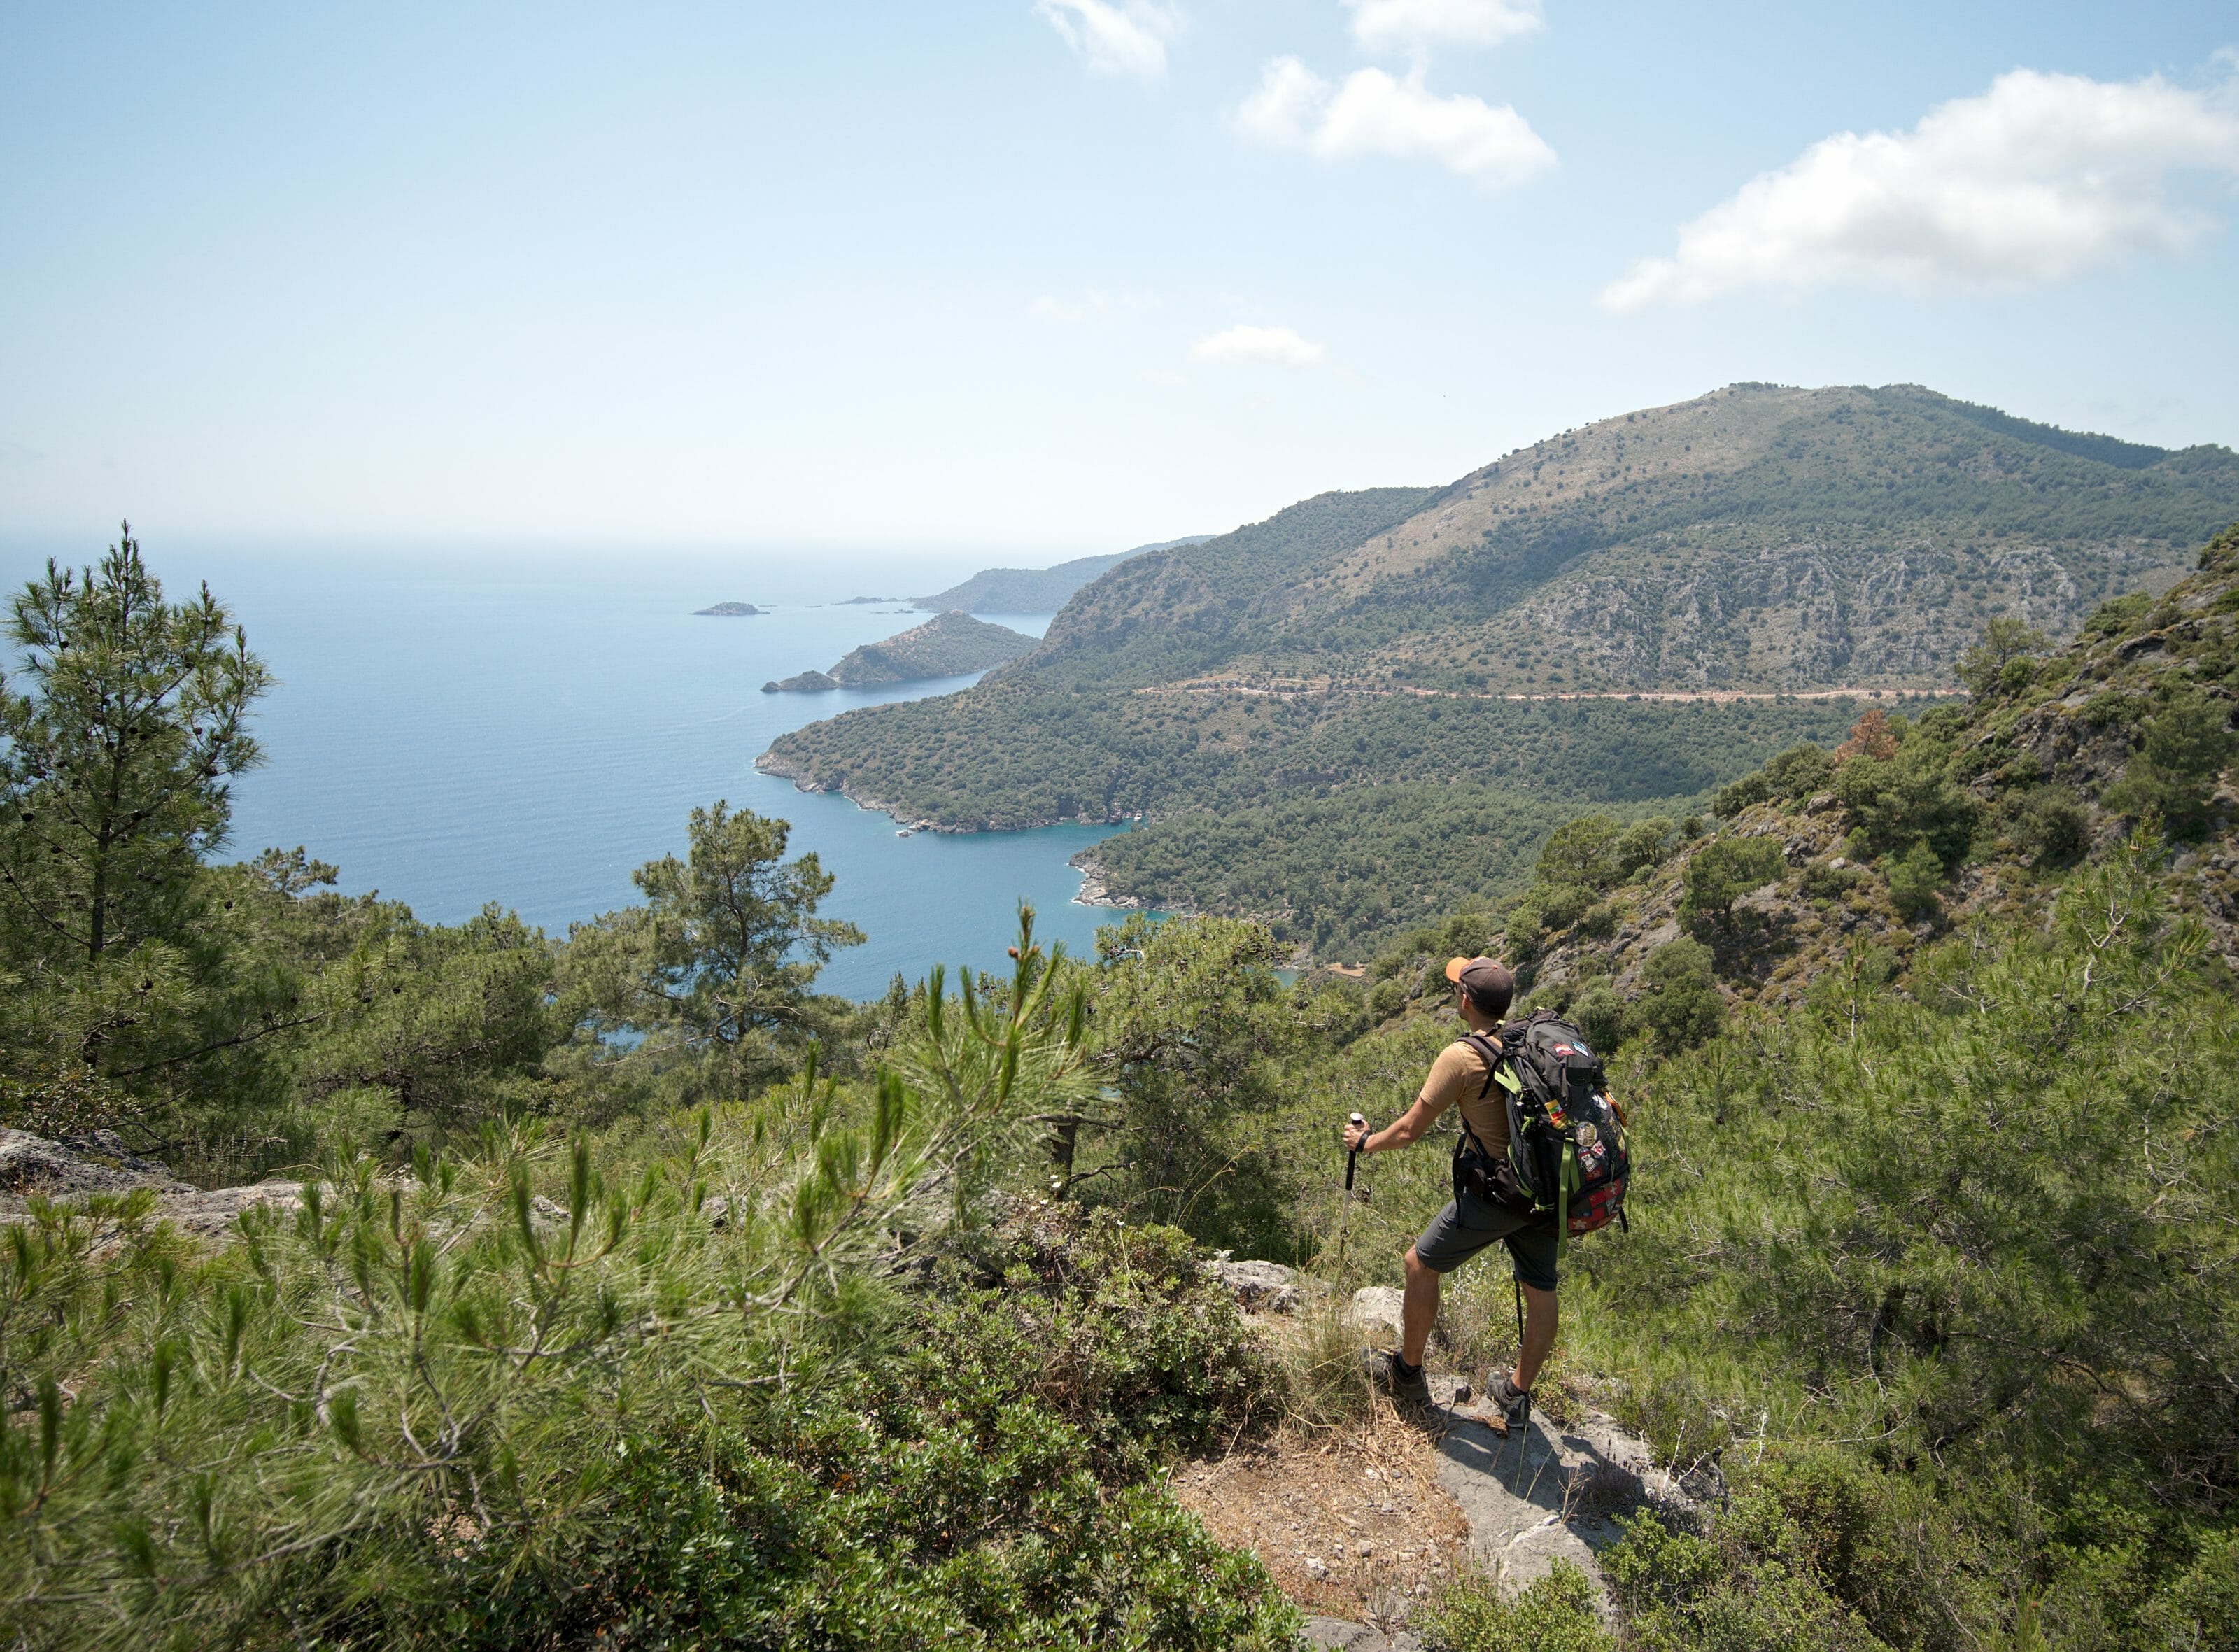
[{"x": 476, "y": 728}]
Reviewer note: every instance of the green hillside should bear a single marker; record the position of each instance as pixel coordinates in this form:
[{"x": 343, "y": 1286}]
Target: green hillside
[
  {"x": 1759, "y": 541},
  {"x": 1757, "y": 538}
]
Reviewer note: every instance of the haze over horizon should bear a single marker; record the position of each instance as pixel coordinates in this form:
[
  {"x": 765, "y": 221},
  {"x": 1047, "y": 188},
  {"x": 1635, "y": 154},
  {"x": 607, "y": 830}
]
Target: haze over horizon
[{"x": 1061, "y": 276}]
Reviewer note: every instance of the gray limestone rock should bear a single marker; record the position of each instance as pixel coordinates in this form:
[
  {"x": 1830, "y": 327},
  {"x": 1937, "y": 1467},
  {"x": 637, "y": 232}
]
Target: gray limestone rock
[
  {"x": 1264, "y": 1287},
  {"x": 1545, "y": 1492},
  {"x": 98, "y": 1163},
  {"x": 1375, "y": 1308},
  {"x": 1342, "y": 1635}
]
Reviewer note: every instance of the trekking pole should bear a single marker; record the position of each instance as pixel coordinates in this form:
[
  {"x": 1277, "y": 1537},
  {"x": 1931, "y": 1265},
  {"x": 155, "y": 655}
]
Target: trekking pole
[{"x": 1352, "y": 1160}]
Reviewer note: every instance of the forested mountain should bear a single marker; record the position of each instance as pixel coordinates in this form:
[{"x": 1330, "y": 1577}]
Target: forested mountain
[
  {"x": 1032, "y": 590},
  {"x": 1757, "y": 540}
]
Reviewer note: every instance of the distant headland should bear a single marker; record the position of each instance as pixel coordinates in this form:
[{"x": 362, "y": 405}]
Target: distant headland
[
  {"x": 729, "y": 610},
  {"x": 948, "y": 645}
]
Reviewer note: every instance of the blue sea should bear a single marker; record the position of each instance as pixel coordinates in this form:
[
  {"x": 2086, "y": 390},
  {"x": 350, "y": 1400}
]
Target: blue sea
[{"x": 457, "y": 727}]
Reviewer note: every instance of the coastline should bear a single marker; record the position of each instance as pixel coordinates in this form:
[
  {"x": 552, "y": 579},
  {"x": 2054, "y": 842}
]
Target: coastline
[
  {"x": 1094, "y": 891},
  {"x": 770, "y": 763}
]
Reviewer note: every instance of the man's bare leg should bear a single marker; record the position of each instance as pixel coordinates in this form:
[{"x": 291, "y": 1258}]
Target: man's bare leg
[
  {"x": 1419, "y": 1311},
  {"x": 1538, "y": 1328}
]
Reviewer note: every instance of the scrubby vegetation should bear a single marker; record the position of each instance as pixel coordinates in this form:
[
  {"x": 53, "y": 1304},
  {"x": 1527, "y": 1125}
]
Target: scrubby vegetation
[
  {"x": 1337, "y": 819},
  {"x": 634, "y": 1294}
]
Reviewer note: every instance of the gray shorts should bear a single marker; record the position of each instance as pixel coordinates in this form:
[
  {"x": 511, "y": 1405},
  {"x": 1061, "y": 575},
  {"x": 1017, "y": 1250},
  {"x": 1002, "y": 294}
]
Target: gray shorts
[{"x": 1468, "y": 1224}]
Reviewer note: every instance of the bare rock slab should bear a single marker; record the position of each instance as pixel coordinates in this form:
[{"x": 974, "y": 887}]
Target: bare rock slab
[
  {"x": 1260, "y": 1287},
  {"x": 1375, "y": 1308},
  {"x": 1341, "y": 1635}
]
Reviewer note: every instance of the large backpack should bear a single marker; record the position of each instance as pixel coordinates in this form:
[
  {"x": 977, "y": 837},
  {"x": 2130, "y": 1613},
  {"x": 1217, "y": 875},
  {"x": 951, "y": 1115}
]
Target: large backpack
[{"x": 1567, "y": 1161}]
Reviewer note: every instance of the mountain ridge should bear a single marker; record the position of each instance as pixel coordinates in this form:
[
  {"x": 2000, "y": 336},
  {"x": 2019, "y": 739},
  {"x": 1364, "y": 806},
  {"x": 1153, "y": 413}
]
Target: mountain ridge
[
  {"x": 1045, "y": 590},
  {"x": 1762, "y": 538}
]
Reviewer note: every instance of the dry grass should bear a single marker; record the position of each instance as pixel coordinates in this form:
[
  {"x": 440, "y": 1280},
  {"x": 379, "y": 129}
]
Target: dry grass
[
  {"x": 1309, "y": 1500},
  {"x": 1327, "y": 1389}
]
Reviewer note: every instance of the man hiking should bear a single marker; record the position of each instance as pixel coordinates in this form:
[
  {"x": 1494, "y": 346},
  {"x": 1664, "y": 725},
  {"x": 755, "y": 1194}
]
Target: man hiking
[{"x": 1462, "y": 1076}]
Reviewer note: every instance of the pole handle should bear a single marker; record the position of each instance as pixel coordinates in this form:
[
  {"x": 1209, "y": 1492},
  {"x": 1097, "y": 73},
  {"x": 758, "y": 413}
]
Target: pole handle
[{"x": 1353, "y": 1157}]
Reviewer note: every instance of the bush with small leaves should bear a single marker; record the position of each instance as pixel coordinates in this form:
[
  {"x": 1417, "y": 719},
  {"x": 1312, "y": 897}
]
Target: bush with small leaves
[
  {"x": 1600, "y": 1013},
  {"x": 1681, "y": 1006},
  {"x": 2188, "y": 745},
  {"x": 1797, "y": 772},
  {"x": 2050, "y": 827},
  {"x": 1581, "y": 852},
  {"x": 1556, "y": 1612},
  {"x": 2004, "y": 660}
]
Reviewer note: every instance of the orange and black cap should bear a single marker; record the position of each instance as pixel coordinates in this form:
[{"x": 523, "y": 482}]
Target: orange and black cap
[{"x": 1489, "y": 986}]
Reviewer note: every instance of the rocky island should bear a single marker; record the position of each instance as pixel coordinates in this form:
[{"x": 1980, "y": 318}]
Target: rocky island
[
  {"x": 728, "y": 610},
  {"x": 948, "y": 645}
]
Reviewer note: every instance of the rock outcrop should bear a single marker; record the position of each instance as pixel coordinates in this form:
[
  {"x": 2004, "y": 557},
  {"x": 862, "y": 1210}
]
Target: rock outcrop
[{"x": 68, "y": 1172}]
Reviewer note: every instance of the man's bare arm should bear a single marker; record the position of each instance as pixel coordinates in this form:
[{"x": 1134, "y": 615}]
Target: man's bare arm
[{"x": 1402, "y": 1131}]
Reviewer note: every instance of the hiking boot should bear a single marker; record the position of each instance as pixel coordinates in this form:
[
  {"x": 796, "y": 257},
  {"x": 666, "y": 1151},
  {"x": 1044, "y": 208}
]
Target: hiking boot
[
  {"x": 1507, "y": 1401},
  {"x": 1395, "y": 1377}
]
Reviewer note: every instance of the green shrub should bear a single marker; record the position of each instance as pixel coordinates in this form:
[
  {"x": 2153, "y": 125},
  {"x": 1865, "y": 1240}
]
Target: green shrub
[
  {"x": 2112, "y": 708},
  {"x": 2051, "y": 828},
  {"x": 1797, "y": 772},
  {"x": 2187, "y": 745},
  {"x": 2004, "y": 660},
  {"x": 2200, "y": 1608},
  {"x": 1561, "y": 905},
  {"x": 2115, "y": 616},
  {"x": 1643, "y": 844},
  {"x": 1823, "y": 880},
  {"x": 1110, "y": 1327},
  {"x": 1680, "y": 1006},
  {"x": 1744, "y": 1588},
  {"x": 1601, "y": 1015},
  {"x": 1891, "y": 802},
  {"x": 1581, "y": 852},
  {"x": 1554, "y": 1613}
]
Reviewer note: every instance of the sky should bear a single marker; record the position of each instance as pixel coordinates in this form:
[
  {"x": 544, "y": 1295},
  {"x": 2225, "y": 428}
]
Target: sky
[{"x": 1045, "y": 277}]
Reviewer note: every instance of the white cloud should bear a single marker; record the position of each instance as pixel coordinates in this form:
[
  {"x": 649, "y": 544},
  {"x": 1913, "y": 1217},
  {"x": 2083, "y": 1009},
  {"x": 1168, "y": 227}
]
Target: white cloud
[
  {"x": 1416, "y": 25},
  {"x": 1372, "y": 114},
  {"x": 2039, "y": 179},
  {"x": 1094, "y": 304},
  {"x": 1115, "y": 37},
  {"x": 1278, "y": 346}
]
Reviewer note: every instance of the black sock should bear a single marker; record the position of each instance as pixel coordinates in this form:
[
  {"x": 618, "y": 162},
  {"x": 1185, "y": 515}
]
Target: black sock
[{"x": 1399, "y": 1360}]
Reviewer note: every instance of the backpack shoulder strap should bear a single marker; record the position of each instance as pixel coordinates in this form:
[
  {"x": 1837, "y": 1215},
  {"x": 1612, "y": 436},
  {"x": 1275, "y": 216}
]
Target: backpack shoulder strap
[
  {"x": 1494, "y": 1058},
  {"x": 1495, "y": 1069}
]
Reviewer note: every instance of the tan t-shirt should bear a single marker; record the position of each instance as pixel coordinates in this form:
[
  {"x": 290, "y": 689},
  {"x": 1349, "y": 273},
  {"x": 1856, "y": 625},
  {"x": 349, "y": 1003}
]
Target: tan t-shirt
[{"x": 1459, "y": 1076}]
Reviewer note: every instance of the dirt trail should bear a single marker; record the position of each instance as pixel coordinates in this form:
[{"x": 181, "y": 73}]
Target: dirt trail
[
  {"x": 1361, "y": 1531},
  {"x": 1282, "y": 689}
]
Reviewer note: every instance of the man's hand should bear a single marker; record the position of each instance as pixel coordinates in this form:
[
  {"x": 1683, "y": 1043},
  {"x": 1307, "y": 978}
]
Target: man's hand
[{"x": 1356, "y": 1136}]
